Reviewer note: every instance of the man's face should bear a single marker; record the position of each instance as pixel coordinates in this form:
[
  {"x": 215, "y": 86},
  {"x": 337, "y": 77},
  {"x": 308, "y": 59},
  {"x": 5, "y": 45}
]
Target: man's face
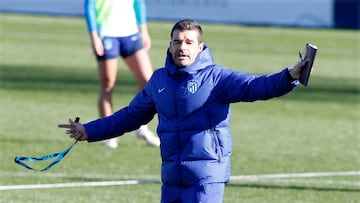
[{"x": 184, "y": 47}]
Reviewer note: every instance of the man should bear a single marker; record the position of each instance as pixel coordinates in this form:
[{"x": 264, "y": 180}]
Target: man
[{"x": 192, "y": 96}]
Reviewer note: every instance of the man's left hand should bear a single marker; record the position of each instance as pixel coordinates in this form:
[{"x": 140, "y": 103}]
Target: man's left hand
[{"x": 295, "y": 72}]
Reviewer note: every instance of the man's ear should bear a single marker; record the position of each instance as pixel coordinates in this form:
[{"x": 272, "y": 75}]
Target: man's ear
[
  {"x": 201, "y": 46},
  {"x": 169, "y": 48}
]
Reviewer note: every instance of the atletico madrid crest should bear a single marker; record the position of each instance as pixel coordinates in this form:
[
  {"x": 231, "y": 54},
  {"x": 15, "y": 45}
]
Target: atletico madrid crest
[{"x": 192, "y": 86}]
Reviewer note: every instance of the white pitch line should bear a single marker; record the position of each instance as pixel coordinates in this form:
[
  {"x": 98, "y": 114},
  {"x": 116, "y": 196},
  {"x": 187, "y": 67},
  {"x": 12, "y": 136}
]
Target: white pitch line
[
  {"x": 135, "y": 182},
  {"x": 290, "y": 177},
  {"x": 311, "y": 181},
  {"x": 65, "y": 185},
  {"x": 78, "y": 175},
  {"x": 295, "y": 175}
]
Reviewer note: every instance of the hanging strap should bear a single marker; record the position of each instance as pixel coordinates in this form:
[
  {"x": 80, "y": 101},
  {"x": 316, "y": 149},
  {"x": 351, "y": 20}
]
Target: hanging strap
[{"x": 60, "y": 155}]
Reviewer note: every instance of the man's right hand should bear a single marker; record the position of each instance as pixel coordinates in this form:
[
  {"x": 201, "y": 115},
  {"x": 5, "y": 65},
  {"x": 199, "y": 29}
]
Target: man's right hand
[{"x": 75, "y": 130}]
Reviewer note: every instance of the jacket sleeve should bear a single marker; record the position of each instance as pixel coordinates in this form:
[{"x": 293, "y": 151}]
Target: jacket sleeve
[
  {"x": 237, "y": 86},
  {"x": 140, "y": 111}
]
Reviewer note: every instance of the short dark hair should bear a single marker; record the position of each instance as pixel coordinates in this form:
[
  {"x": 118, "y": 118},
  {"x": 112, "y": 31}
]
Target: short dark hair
[{"x": 187, "y": 24}]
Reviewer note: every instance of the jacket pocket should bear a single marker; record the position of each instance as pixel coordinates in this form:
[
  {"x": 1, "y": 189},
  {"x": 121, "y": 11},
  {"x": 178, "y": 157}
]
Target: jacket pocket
[{"x": 217, "y": 147}]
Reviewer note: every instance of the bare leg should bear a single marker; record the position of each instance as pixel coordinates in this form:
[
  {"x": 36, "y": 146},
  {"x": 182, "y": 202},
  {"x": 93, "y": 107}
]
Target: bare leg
[
  {"x": 107, "y": 75},
  {"x": 140, "y": 64}
]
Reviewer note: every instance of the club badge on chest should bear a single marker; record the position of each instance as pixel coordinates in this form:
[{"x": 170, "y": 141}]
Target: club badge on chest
[{"x": 192, "y": 86}]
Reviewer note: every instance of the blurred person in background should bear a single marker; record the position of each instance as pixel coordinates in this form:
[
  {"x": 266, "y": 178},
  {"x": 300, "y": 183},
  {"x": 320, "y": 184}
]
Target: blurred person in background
[{"x": 118, "y": 28}]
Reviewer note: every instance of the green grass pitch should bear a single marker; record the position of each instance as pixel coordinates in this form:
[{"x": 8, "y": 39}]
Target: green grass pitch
[{"x": 48, "y": 74}]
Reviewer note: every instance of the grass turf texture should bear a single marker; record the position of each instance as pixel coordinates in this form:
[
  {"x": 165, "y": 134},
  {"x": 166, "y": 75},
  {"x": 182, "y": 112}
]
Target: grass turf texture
[{"x": 48, "y": 74}]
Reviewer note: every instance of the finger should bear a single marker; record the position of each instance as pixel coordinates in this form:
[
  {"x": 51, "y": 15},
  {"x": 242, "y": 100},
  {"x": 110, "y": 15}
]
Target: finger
[
  {"x": 72, "y": 136},
  {"x": 73, "y": 124},
  {"x": 304, "y": 62},
  {"x": 64, "y": 126},
  {"x": 78, "y": 135}
]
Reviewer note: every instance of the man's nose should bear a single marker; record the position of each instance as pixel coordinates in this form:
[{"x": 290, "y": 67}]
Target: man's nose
[{"x": 183, "y": 45}]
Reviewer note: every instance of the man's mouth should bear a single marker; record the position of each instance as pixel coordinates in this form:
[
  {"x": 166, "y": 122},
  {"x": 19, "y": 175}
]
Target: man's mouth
[{"x": 182, "y": 56}]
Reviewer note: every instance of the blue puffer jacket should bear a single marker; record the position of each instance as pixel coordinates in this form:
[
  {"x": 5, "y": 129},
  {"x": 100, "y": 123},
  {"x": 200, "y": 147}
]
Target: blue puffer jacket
[{"x": 193, "y": 106}]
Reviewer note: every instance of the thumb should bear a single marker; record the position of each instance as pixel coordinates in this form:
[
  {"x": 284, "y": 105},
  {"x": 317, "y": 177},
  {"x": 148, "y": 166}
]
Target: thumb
[{"x": 74, "y": 123}]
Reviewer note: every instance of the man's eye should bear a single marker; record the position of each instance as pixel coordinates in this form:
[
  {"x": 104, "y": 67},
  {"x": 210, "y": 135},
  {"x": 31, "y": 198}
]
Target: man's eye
[{"x": 189, "y": 42}]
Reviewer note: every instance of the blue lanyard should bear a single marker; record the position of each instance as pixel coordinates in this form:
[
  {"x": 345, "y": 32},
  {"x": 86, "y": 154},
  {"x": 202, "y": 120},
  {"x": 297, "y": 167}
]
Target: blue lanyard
[{"x": 60, "y": 155}]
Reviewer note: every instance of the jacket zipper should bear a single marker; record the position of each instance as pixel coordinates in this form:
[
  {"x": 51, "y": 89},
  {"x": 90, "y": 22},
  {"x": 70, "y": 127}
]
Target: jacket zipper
[{"x": 177, "y": 97}]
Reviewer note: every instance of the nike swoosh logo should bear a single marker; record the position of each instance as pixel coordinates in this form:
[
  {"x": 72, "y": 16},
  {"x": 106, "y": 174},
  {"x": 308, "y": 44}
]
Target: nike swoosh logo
[{"x": 161, "y": 89}]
